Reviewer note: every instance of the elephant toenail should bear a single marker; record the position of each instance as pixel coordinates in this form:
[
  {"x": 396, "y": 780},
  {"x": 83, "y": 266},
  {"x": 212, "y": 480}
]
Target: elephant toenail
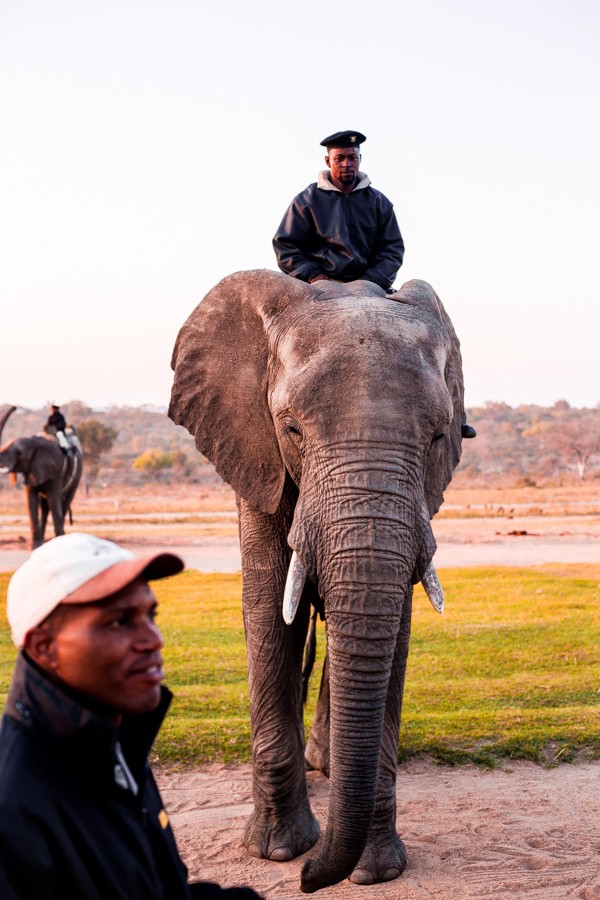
[
  {"x": 362, "y": 876},
  {"x": 390, "y": 874},
  {"x": 281, "y": 854}
]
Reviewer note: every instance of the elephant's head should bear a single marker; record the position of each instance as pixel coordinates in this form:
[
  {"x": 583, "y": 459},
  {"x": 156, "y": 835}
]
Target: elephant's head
[
  {"x": 37, "y": 458},
  {"x": 357, "y": 398}
]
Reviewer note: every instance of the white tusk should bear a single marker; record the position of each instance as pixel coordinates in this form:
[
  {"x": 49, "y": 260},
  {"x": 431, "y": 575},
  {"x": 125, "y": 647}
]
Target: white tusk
[
  {"x": 4, "y": 470},
  {"x": 433, "y": 588},
  {"x": 293, "y": 588}
]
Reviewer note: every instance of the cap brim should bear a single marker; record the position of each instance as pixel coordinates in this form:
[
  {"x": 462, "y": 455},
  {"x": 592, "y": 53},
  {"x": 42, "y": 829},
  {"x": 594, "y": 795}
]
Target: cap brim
[{"x": 119, "y": 576}]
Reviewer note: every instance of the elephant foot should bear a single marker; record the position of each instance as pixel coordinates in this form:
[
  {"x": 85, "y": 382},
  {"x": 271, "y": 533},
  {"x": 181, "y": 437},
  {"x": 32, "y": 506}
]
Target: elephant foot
[
  {"x": 383, "y": 859},
  {"x": 317, "y": 756},
  {"x": 281, "y": 838}
]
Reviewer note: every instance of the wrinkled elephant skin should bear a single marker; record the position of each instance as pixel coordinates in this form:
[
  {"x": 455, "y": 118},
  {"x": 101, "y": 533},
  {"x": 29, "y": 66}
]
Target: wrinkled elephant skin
[{"x": 335, "y": 414}]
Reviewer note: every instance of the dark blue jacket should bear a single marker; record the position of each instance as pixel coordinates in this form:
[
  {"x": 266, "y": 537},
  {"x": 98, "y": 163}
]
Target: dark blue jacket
[
  {"x": 68, "y": 829},
  {"x": 345, "y": 236}
]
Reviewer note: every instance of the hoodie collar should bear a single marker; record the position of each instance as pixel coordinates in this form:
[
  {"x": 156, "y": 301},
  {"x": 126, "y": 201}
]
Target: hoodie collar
[
  {"x": 325, "y": 184},
  {"x": 42, "y": 706}
]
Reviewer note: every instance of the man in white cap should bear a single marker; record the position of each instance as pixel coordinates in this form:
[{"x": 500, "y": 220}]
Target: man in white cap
[{"x": 80, "y": 813}]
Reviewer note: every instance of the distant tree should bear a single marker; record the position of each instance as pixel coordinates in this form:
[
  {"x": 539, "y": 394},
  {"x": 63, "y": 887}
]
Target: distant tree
[
  {"x": 577, "y": 438},
  {"x": 152, "y": 462},
  {"x": 562, "y": 406},
  {"x": 75, "y": 410},
  {"x": 180, "y": 464},
  {"x": 97, "y": 439}
]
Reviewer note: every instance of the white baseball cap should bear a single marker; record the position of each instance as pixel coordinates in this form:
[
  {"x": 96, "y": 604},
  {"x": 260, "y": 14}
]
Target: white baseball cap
[{"x": 76, "y": 568}]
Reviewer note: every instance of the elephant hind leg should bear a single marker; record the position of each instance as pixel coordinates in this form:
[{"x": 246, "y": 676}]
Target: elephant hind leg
[
  {"x": 383, "y": 859},
  {"x": 317, "y": 746}
]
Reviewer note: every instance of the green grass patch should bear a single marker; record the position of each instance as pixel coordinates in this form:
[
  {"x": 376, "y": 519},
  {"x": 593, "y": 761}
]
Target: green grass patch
[{"x": 512, "y": 669}]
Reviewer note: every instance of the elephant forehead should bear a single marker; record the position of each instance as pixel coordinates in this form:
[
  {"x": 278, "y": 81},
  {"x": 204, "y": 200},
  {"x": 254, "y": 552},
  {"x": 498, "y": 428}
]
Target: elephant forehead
[
  {"x": 358, "y": 327},
  {"x": 377, "y": 353}
]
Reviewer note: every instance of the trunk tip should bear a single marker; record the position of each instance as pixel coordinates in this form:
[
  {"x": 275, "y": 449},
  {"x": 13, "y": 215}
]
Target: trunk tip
[
  {"x": 316, "y": 875},
  {"x": 308, "y": 884}
]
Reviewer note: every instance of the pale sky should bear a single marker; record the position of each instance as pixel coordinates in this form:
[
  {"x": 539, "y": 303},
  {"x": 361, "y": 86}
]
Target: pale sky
[{"x": 151, "y": 148}]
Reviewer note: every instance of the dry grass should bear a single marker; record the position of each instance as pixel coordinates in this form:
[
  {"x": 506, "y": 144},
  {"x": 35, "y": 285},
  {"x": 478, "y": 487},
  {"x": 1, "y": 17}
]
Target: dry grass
[
  {"x": 569, "y": 500},
  {"x": 187, "y": 499},
  {"x": 510, "y": 670},
  {"x": 151, "y": 499}
]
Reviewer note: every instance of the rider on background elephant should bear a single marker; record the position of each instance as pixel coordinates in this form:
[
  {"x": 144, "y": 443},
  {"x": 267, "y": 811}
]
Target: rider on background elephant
[
  {"x": 51, "y": 478},
  {"x": 56, "y": 424},
  {"x": 334, "y": 411}
]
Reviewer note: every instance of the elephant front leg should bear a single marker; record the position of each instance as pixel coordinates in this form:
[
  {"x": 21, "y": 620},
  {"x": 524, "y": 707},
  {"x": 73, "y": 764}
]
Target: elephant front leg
[
  {"x": 282, "y": 825},
  {"x": 56, "y": 508},
  {"x": 43, "y": 515},
  {"x": 36, "y": 537},
  {"x": 384, "y": 857}
]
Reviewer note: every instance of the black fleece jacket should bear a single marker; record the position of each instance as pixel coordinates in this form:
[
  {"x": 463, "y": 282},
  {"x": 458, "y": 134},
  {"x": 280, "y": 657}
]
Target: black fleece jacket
[
  {"x": 345, "y": 236},
  {"x": 70, "y": 828}
]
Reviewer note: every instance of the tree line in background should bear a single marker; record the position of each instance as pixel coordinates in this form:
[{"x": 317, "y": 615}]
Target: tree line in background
[
  {"x": 527, "y": 445},
  {"x": 532, "y": 445}
]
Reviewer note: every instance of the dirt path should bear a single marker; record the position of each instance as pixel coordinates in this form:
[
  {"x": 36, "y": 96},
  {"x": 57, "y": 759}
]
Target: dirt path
[
  {"x": 517, "y": 832},
  {"x": 213, "y": 546}
]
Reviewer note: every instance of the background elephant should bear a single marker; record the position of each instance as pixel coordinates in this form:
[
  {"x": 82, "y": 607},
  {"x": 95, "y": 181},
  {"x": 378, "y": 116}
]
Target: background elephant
[
  {"x": 51, "y": 478},
  {"x": 335, "y": 413}
]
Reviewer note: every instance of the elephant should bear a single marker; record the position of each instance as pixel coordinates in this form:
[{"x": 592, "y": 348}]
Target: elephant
[
  {"x": 51, "y": 478},
  {"x": 334, "y": 411}
]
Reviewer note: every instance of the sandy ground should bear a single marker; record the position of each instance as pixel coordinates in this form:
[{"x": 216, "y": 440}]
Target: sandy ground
[{"x": 522, "y": 831}]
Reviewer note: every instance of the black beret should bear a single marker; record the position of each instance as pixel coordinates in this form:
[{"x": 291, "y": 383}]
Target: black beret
[{"x": 344, "y": 139}]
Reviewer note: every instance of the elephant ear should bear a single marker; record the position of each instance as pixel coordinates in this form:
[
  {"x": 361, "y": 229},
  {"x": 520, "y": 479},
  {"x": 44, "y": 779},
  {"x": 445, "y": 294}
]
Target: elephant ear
[
  {"x": 221, "y": 363},
  {"x": 445, "y": 453}
]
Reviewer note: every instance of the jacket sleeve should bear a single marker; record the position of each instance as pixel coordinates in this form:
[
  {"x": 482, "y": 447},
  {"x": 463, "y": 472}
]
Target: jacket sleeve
[
  {"x": 291, "y": 239},
  {"x": 389, "y": 251}
]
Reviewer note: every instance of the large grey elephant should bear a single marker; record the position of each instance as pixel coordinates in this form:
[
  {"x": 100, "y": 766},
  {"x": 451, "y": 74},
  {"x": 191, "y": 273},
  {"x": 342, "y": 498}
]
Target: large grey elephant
[
  {"x": 51, "y": 478},
  {"x": 335, "y": 413}
]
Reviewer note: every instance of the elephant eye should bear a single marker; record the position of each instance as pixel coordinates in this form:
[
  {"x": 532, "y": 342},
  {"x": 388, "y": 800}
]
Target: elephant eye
[
  {"x": 294, "y": 435},
  {"x": 438, "y": 437},
  {"x": 292, "y": 432}
]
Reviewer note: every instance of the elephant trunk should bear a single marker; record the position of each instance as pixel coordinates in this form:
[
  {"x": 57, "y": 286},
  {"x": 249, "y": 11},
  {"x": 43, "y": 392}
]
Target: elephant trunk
[
  {"x": 360, "y": 668},
  {"x": 4, "y": 419},
  {"x": 363, "y": 552},
  {"x": 363, "y": 602}
]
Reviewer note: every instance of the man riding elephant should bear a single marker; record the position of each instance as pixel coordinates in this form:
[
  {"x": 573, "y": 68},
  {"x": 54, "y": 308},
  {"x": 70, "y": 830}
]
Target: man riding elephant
[
  {"x": 340, "y": 227},
  {"x": 56, "y": 424}
]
